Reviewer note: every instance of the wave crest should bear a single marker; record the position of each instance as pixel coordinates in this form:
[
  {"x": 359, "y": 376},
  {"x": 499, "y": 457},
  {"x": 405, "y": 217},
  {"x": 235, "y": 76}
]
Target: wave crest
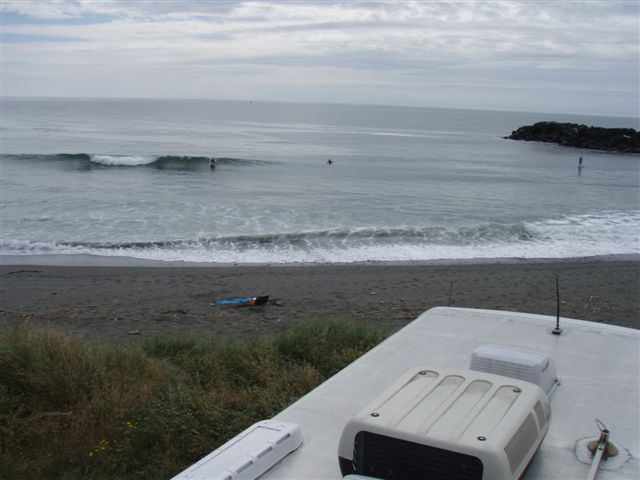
[
  {"x": 339, "y": 238},
  {"x": 570, "y": 236},
  {"x": 122, "y": 160},
  {"x": 84, "y": 161}
]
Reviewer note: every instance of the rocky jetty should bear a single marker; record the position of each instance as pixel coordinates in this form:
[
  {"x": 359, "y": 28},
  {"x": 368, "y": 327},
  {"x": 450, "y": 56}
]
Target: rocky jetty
[{"x": 573, "y": 135}]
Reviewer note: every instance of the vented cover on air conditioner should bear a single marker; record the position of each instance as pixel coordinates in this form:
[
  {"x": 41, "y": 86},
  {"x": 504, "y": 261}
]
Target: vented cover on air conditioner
[{"x": 442, "y": 424}]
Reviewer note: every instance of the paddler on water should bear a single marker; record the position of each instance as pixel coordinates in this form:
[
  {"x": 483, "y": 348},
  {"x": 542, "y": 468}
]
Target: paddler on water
[{"x": 212, "y": 163}]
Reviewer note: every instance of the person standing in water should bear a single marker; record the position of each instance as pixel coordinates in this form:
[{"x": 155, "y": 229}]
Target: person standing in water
[
  {"x": 212, "y": 163},
  {"x": 329, "y": 162}
]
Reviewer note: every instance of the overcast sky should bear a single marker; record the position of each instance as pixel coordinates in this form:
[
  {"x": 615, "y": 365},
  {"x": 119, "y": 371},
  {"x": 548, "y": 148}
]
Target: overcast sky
[{"x": 549, "y": 56}]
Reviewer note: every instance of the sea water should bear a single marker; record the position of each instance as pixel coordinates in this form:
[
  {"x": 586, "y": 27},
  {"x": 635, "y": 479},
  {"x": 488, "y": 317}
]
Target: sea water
[{"x": 132, "y": 178}]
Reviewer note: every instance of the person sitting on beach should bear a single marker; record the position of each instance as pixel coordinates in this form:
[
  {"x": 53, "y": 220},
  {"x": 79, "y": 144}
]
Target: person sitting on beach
[{"x": 212, "y": 163}]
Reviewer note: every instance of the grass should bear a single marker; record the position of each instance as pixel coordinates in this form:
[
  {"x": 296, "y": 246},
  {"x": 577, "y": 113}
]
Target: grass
[{"x": 72, "y": 409}]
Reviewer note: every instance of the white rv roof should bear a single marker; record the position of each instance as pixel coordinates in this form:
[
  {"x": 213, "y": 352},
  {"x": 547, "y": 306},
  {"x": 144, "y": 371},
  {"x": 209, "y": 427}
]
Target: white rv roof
[{"x": 598, "y": 367}]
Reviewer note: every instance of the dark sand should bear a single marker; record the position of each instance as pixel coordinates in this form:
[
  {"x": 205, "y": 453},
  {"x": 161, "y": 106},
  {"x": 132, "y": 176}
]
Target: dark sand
[{"x": 99, "y": 302}]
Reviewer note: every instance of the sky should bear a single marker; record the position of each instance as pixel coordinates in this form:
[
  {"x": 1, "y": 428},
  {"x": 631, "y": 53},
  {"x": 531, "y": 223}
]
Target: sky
[{"x": 530, "y": 55}]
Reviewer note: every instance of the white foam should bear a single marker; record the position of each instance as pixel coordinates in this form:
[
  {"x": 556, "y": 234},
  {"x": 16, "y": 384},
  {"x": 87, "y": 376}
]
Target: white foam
[
  {"x": 123, "y": 160},
  {"x": 615, "y": 231},
  {"x": 393, "y": 134},
  {"x": 387, "y": 253},
  {"x": 26, "y": 247},
  {"x": 594, "y": 234}
]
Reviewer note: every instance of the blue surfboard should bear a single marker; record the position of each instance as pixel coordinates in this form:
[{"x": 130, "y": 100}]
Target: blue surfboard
[{"x": 241, "y": 301}]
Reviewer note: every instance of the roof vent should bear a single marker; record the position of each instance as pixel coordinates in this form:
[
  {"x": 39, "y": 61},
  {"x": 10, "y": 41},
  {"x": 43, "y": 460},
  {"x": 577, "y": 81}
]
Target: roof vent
[
  {"x": 247, "y": 455},
  {"x": 533, "y": 367},
  {"x": 443, "y": 424}
]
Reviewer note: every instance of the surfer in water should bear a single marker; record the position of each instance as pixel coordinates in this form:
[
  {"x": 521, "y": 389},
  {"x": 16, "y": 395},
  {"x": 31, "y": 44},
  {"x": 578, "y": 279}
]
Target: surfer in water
[
  {"x": 329, "y": 162},
  {"x": 212, "y": 163}
]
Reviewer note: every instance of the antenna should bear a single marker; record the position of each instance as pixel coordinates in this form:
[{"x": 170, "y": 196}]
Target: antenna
[{"x": 557, "y": 330}]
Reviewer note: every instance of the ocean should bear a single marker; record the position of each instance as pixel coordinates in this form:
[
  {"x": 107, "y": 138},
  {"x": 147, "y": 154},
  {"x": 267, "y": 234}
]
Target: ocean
[{"x": 131, "y": 178}]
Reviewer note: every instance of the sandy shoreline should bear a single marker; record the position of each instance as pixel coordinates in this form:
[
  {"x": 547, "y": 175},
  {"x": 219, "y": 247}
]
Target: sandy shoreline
[{"x": 128, "y": 301}]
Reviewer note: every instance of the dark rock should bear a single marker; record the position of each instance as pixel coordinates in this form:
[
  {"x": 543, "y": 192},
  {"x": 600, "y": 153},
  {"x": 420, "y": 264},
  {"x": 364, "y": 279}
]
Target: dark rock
[{"x": 573, "y": 135}]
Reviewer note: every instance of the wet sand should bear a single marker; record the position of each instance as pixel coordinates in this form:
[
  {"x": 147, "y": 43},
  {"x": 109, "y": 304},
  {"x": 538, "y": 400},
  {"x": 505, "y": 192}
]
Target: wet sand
[{"x": 132, "y": 302}]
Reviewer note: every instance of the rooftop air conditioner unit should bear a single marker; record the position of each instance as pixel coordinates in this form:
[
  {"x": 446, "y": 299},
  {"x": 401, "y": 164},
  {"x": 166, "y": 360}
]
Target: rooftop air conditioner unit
[{"x": 445, "y": 424}]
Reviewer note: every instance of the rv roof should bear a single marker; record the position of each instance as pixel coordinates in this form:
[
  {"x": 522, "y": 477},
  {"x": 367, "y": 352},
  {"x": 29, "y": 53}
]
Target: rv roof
[{"x": 598, "y": 366}]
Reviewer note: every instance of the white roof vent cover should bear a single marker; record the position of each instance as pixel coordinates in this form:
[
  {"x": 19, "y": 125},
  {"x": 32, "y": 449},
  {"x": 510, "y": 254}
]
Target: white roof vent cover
[
  {"x": 248, "y": 455},
  {"x": 534, "y": 367}
]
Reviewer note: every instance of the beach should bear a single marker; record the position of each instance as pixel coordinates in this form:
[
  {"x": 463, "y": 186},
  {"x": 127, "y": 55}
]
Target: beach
[{"x": 99, "y": 302}]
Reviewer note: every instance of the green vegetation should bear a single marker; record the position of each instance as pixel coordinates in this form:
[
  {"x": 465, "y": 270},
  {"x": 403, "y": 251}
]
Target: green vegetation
[{"x": 72, "y": 409}]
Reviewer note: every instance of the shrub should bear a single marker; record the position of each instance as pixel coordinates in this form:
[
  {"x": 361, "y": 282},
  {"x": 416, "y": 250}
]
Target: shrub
[{"x": 73, "y": 409}]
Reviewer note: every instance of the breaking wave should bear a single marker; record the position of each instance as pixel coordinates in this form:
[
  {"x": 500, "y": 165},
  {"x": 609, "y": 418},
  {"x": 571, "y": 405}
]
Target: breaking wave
[
  {"x": 437, "y": 235},
  {"x": 84, "y": 161},
  {"x": 571, "y": 236}
]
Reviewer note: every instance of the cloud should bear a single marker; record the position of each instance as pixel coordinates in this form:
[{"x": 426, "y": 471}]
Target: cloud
[
  {"x": 386, "y": 47},
  {"x": 69, "y": 9}
]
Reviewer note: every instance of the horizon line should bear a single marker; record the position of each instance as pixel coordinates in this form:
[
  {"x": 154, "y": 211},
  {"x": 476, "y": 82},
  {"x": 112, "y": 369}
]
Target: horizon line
[{"x": 294, "y": 102}]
